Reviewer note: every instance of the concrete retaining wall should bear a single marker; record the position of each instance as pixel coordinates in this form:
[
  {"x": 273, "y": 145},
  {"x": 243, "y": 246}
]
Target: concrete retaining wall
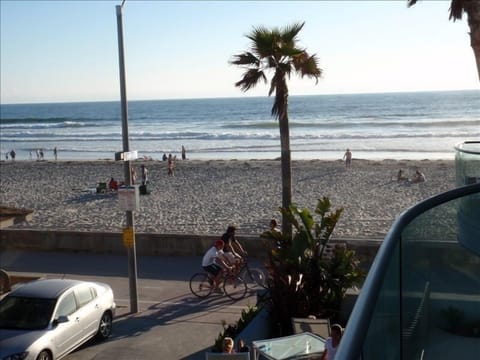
[{"x": 149, "y": 244}]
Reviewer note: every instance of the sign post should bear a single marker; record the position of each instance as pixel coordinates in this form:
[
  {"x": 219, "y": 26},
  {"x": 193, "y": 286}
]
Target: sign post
[{"x": 129, "y": 231}]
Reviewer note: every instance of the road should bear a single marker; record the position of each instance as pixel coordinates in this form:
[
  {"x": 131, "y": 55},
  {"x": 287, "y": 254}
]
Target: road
[{"x": 170, "y": 324}]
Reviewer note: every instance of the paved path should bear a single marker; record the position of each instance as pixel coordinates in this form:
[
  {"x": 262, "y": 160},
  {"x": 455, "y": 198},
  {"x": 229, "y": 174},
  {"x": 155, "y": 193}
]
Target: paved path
[{"x": 171, "y": 322}]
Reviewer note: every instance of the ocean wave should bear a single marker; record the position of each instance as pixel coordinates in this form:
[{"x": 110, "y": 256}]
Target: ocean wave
[
  {"x": 179, "y": 137},
  {"x": 48, "y": 125},
  {"x": 345, "y": 124}
]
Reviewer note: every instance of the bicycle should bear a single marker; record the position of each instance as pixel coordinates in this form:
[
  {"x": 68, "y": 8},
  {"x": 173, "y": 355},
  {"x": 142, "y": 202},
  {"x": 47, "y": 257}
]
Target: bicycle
[
  {"x": 252, "y": 276},
  {"x": 202, "y": 285}
]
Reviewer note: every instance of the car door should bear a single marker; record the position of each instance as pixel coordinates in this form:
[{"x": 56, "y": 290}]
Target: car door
[
  {"x": 66, "y": 331},
  {"x": 89, "y": 311}
]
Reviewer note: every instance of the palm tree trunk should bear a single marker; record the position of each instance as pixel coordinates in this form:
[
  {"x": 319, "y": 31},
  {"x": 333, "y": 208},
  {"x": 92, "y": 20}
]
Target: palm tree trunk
[
  {"x": 286, "y": 171},
  {"x": 282, "y": 95},
  {"x": 472, "y": 8}
]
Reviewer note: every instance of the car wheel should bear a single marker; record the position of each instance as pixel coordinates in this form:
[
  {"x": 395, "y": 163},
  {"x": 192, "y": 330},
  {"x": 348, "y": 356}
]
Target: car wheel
[
  {"x": 105, "y": 327},
  {"x": 44, "y": 355}
]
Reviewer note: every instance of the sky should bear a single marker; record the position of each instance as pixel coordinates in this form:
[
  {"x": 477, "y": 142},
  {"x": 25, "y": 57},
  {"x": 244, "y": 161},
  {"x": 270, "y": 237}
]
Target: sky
[{"x": 67, "y": 51}]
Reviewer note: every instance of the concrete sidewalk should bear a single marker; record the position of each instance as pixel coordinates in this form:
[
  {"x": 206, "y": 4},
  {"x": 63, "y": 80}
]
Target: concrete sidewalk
[{"x": 171, "y": 322}]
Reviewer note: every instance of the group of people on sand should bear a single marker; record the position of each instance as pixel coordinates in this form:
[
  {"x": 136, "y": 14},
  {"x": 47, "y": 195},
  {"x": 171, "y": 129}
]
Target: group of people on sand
[
  {"x": 171, "y": 160},
  {"x": 418, "y": 177},
  {"x": 10, "y": 153},
  {"x": 114, "y": 184}
]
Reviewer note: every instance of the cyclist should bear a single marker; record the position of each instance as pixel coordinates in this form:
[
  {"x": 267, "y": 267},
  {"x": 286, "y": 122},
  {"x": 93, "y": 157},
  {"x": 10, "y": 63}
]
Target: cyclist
[
  {"x": 233, "y": 249},
  {"x": 215, "y": 263}
]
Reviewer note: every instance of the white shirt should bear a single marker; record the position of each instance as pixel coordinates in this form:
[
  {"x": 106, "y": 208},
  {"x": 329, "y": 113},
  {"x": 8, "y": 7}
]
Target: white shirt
[
  {"x": 331, "y": 351},
  {"x": 211, "y": 255}
]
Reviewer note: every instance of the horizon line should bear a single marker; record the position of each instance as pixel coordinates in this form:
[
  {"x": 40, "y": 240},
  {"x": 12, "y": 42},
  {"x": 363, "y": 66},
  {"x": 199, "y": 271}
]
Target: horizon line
[{"x": 235, "y": 97}]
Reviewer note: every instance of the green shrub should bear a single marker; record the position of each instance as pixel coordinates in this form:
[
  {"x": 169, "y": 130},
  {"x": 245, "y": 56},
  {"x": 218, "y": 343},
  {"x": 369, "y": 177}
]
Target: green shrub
[{"x": 302, "y": 280}]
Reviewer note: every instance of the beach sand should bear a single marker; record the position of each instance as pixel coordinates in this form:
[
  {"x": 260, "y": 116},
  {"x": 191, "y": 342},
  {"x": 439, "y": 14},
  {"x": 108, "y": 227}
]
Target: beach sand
[{"x": 205, "y": 197}]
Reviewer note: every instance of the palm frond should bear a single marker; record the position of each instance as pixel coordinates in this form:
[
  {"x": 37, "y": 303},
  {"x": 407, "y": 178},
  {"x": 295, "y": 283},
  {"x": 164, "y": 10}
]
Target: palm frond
[
  {"x": 247, "y": 58},
  {"x": 250, "y": 78},
  {"x": 457, "y": 8},
  {"x": 307, "y": 66},
  {"x": 290, "y": 32},
  {"x": 263, "y": 41}
]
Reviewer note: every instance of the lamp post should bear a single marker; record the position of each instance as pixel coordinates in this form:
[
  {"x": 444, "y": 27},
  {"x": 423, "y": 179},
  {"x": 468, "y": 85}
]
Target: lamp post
[{"x": 128, "y": 233}]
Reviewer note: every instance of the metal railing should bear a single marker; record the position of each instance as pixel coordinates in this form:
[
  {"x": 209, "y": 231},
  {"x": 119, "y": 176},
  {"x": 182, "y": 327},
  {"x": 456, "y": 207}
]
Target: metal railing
[{"x": 389, "y": 256}]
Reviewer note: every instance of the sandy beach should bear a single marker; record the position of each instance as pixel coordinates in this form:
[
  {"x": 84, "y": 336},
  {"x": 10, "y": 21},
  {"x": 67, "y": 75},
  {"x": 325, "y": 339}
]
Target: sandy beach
[{"x": 205, "y": 196}]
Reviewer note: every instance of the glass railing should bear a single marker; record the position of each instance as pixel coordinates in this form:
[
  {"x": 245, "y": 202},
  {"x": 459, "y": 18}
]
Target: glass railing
[{"x": 421, "y": 298}]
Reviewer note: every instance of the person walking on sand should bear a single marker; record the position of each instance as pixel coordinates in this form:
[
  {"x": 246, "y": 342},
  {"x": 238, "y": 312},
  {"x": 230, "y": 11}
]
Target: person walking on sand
[
  {"x": 348, "y": 158},
  {"x": 184, "y": 153},
  {"x": 144, "y": 174},
  {"x": 171, "y": 165},
  {"x": 13, "y": 154},
  {"x": 133, "y": 176},
  {"x": 55, "y": 153}
]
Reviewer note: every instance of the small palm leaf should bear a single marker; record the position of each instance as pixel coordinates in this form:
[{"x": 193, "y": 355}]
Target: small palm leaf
[
  {"x": 250, "y": 78},
  {"x": 246, "y": 58}
]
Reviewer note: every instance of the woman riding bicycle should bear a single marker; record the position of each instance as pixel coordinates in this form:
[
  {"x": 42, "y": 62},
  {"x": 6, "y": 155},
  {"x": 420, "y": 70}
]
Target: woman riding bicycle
[{"x": 233, "y": 250}]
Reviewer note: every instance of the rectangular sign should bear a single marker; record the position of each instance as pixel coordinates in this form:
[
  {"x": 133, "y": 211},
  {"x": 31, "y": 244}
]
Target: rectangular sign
[
  {"x": 128, "y": 198},
  {"x": 126, "y": 156},
  {"x": 128, "y": 237}
]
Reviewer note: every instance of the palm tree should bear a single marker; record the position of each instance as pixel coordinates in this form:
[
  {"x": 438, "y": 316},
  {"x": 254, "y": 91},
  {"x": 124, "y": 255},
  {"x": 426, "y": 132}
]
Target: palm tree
[
  {"x": 276, "y": 50},
  {"x": 472, "y": 8}
]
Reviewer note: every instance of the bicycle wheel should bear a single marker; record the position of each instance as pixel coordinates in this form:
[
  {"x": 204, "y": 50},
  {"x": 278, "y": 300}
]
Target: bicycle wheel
[
  {"x": 234, "y": 287},
  {"x": 201, "y": 285},
  {"x": 255, "y": 278}
]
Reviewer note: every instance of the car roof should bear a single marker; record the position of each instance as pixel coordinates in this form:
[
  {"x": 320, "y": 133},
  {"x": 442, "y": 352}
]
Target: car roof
[{"x": 45, "y": 288}]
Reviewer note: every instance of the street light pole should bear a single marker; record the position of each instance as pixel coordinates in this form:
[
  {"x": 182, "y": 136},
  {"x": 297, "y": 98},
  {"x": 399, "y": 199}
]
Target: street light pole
[{"x": 132, "y": 261}]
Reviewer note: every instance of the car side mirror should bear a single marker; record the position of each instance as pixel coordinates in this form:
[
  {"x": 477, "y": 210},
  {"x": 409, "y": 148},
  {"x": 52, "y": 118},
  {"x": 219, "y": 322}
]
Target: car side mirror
[{"x": 60, "y": 320}]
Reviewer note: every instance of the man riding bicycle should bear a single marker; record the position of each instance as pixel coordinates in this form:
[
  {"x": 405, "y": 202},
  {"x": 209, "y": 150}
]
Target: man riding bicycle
[{"x": 214, "y": 262}]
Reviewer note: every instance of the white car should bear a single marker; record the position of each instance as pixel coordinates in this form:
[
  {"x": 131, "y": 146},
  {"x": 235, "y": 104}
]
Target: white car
[{"x": 47, "y": 319}]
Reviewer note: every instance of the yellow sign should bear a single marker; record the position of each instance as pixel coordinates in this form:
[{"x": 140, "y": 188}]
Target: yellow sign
[{"x": 128, "y": 237}]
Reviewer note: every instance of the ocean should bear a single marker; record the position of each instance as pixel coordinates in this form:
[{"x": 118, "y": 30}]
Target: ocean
[{"x": 420, "y": 125}]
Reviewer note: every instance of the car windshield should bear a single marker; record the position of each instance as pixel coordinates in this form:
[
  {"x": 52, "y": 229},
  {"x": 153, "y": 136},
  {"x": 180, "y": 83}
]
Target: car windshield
[{"x": 25, "y": 313}]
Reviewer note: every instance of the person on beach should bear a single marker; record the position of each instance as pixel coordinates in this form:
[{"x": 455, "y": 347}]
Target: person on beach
[
  {"x": 171, "y": 165},
  {"x": 164, "y": 157},
  {"x": 144, "y": 174},
  {"x": 113, "y": 184},
  {"x": 331, "y": 345},
  {"x": 214, "y": 263},
  {"x": 348, "y": 158},
  {"x": 184, "y": 153},
  {"x": 6, "y": 155},
  {"x": 401, "y": 177},
  {"x": 133, "y": 175},
  {"x": 13, "y": 154},
  {"x": 55, "y": 153},
  {"x": 419, "y": 177}
]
